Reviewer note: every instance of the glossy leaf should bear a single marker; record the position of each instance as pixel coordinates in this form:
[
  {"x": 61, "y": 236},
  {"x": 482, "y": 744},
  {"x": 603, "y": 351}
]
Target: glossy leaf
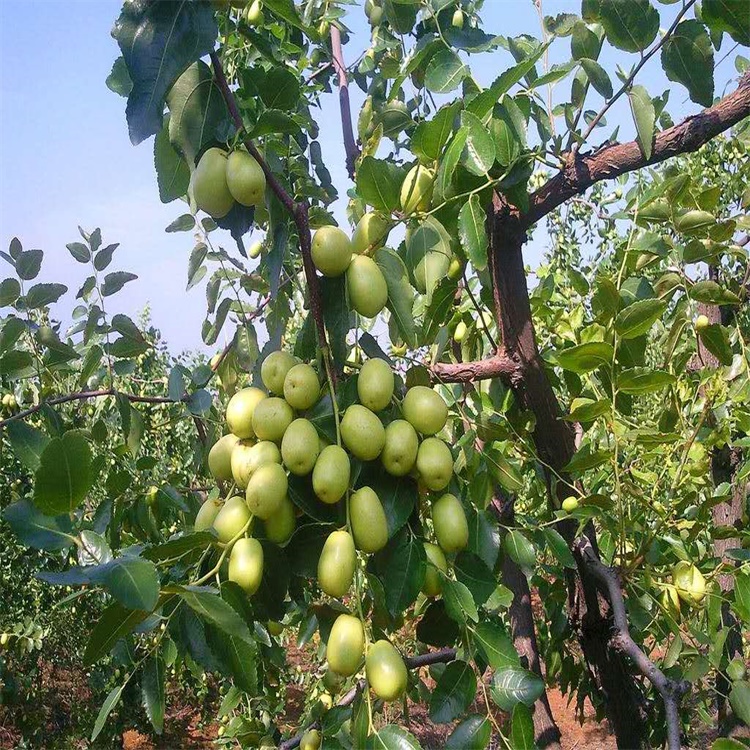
[
  {"x": 37, "y": 530},
  {"x": 152, "y": 692},
  {"x": 513, "y": 685},
  {"x": 453, "y": 693},
  {"x": 472, "y": 233},
  {"x": 473, "y": 732},
  {"x": 400, "y": 565},
  {"x": 688, "y": 58},
  {"x": 64, "y": 476},
  {"x": 495, "y": 645}
]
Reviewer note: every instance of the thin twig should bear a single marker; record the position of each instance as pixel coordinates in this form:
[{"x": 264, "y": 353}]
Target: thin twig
[{"x": 350, "y": 145}]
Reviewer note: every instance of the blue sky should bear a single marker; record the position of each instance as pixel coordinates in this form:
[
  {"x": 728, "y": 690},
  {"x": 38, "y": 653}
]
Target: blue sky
[{"x": 66, "y": 159}]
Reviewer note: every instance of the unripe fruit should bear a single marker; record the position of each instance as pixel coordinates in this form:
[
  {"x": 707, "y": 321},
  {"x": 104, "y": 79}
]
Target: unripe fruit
[
  {"x": 274, "y": 627},
  {"x": 210, "y": 188},
  {"x": 375, "y": 384},
  {"x": 368, "y": 520},
  {"x": 266, "y": 490},
  {"x": 375, "y": 17},
  {"x": 458, "y": 19},
  {"x": 460, "y": 333},
  {"x": 433, "y": 582},
  {"x": 689, "y": 583},
  {"x": 331, "y": 474},
  {"x": 280, "y": 526},
  {"x": 254, "y": 14},
  {"x": 332, "y": 681},
  {"x": 271, "y": 418},
  {"x": 255, "y": 249},
  {"x": 425, "y": 409},
  {"x": 245, "y": 178},
  {"x": 370, "y": 233},
  {"x": 400, "y": 450},
  {"x": 701, "y": 323},
  {"x": 4, "y": 638},
  {"x": 310, "y": 740},
  {"x": 432, "y": 265},
  {"x": 231, "y": 519},
  {"x": 331, "y": 251},
  {"x": 206, "y": 515},
  {"x": 362, "y": 432},
  {"x": 670, "y": 601},
  {"x": 240, "y": 411},
  {"x": 299, "y": 447},
  {"x": 368, "y": 291},
  {"x": 220, "y": 457},
  {"x": 736, "y": 669},
  {"x": 570, "y": 504},
  {"x": 449, "y": 522},
  {"x": 301, "y": 387},
  {"x": 386, "y": 671},
  {"x": 455, "y": 269},
  {"x": 248, "y": 457},
  {"x": 346, "y": 645},
  {"x": 274, "y": 370},
  {"x": 416, "y": 190},
  {"x": 246, "y": 564},
  {"x": 336, "y": 564},
  {"x": 434, "y": 464}
]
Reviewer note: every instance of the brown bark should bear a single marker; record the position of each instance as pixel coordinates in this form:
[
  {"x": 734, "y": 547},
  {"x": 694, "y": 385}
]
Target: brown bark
[{"x": 350, "y": 145}]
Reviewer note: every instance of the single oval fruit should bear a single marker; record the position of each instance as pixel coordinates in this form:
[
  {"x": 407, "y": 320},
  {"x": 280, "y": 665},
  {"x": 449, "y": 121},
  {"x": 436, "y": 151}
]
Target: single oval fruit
[
  {"x": 434, "y": 464},
  {"x": 416, "y": 190},
  {"x": 331, "y": 251},
  {"x": 274, "y": 370},
  {"x": 254, "y": 14},
  {"x": 368, "y": 521},
  {"x": 386, "y": 671},
  {"x": 570, "y": 504},
  {"x": 449, "y": 523},
  {"x": 689, "y": 583},
  {"x": 274, "y": 627},
  {"x": 346, "y": 645},
  {"x": 240, "y": 409},
  {"x": 220, "y": 457},
  {"x": 362, "y": 432},
  {"x": 266, "y": 490},
  {"x": 368, "y": 291},
  {"x": 301, "y": 387},
  {"x": 375, "y": 384},
  {"x": 248, "y": 457},
  {"x": 206, "y": 515},
  {"x": 271, "y": 418},
  {"x": 400, "y": 450},
  {"x": 281, "y": 524},
  {"x": 433, "y": 582},
  {"x": 424, "y": 409},
  {"x": 311, "y": 740},
  {"x": 299, "y": 447},
  {"x": 370, "y": 233},
  {"x": 337, "y": 563},
  {"x": 702, "y": 322},
  {"x": 670, "y": 602},
  {"x": 736, "y": 669},
  {"x": 245, "y": 178},
  {"x": 210, "y": 188},
  {"x": 231, "y": 519},
  {"x": 246, "y": 564},
  {"x": 331, "y": 474},
  {"x": 255, "y": 250}
]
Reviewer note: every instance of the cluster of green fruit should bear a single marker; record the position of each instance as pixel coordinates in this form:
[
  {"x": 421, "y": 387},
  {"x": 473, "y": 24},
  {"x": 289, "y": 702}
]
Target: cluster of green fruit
[
  {"x": 8, "y": 401},
  {"x": 220, "y": 179},
  {"x": 688, "y": 587}
]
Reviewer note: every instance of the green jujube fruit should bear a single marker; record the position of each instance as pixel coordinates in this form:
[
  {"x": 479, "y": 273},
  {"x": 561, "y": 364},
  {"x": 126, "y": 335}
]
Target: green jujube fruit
[
  {"x": 400, "y": 450},
  {"x": 386, "y": 671},
  {"x": 449, "y": 523},
  {"x": 266, "y": 490},
  {"x": 375, "y": 384},
  {"x": 246, "y": 564},
  {"x": 240, "y": 409},
  {"x": 245, "y": 178},
  {"x": 434, "y": 464},
  {"x": 299, "y": 447},
  {"x": 231, "y": 519},
  {"x": 210, "y": 189},
  {"x": 331, "y": 251},
  {"x": 271, "y": 418},
  {"x": 274, "y": 370},
  {"x": 220, "y": 457},
  {"x": 281, "y": 524},
  {"x": 424, "y": 409},
  {"x": 336, "y": 564},
  {"x": 206, "y": 515},
  {"x": 331, "y": 474},
  {"x": 368, "y": 521},
  {"x": 433, "y": 582},
  {"x": 368, "y": 290},
  {"x": 346, "y": 645},
  {"x": 247, "y": 458},
  {"x": 370, "y": 233},
  {"x": 362, "y": 432},
  {"x": 301, "y": 387}
]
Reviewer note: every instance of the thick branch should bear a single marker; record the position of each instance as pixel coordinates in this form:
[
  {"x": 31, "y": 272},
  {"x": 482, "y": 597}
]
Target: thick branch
[
  {"x": 670, "y": 690},
  {"x": 298, "y": 211},
  {"x": 582, "y": 171},
  {"x": 442, "y": 656},
  {"x": 497, "y": 366},
  {"x": 350, "y": 145}
]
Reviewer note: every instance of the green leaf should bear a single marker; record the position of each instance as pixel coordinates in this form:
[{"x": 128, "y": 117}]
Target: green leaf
[
  {"x": 437, "y": 627},
  {"x": 644, "y": 116},
  {"x": 585, "y": 357},
  {"x": 598, "y": 76},
  {"x": 739, "y": 700},
  {"x": 79, "y": 251},
  {"x": 630, "y": 26},
  {"x": 522, "y": 728},
  {"x": 585, "y": 42},
  {"x": 732, "y": 16},
  {"x": 520, "y": 549},
  {"x": 559, "y": 548},
  {"x": 503, "y": 470},
  {"x": 172, "y": 171},
  {"x": 10, "y": 291},
  {"x": 478, "y": 154},
  {"x": 107, "y": 707},
  {"x": 28, "y": 264},
  {"x": 391, "y": 737},
  {"x": 454, "y": 692},
  {"x": 449, "y": 162},
  {"x": 130, "y": 580},
  {"x": 210, "y": 607},
  {"x": 637, "y": 319},
  {"x": 39, "y": 531},
  {"x": 514, "y": 685},
  {"x": 378, "y": 183},
  {"x": 430, "y": 136},
  {"x": 472, "y": 232},
  {"x": 444, "y": 73},
  {"x": 459, "y": 603},
  {"x": 152, "y": 692},
  {"x": 473, "y": 572},
  {"x": 716, "y": 339},
  {"x": 400, "y": 293},
  {"x": 728, "y": 743},
  {"x": 639, "y": 380},
  {"x": 400, "y": 565},
  {"x": 42, "y": 295},
  {"x": 115, "y": 281},
  {"x": 179, "y": 546},
  {"x": 27, "y": 443},
  {"x": 285, "y": 10},
  {"x": 64, "y": 476},
  {"x": 688, "y": 58},
  {"x": 473, "y": 732},
  {"x": 336, "y": 316},
  {"x": 115, "y": 623},
  {"x": 712, "y": 293},
  {"x": 118, "y": 79},
  {"x": 495, "y": 645},
  {"x": 428, "y": 255},
  {"x": 742, "y": 596},
  {"x": 484, "y": 536},
  {"x": 694, "y": 221},
  {"x": 158, "y": 42}
]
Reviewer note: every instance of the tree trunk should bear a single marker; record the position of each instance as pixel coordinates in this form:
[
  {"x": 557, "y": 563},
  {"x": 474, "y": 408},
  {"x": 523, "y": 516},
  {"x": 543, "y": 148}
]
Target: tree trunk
[{"x": 555, "y": 444}]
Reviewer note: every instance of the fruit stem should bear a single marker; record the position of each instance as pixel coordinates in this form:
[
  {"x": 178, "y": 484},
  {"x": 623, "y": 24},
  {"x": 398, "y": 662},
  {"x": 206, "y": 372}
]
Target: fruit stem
[{"x": 334, "y": 403}]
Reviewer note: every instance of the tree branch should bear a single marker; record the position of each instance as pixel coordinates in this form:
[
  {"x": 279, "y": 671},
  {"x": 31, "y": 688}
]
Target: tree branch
[
  {"x": 350, "y": 145},
  {"x": 442, "y": 656},
  {"x": 497, "y": 366},
  {"x": 582, "y": 171},
  {"x": 670, "y": 690},
  {"x": 298, "y": 211}
]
